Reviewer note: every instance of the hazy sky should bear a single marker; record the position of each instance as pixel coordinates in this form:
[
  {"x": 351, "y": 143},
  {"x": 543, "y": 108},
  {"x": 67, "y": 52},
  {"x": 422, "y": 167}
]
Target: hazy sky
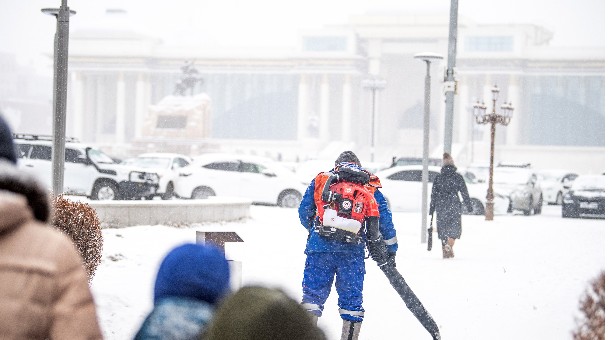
[{"x": 25, "y": 31}]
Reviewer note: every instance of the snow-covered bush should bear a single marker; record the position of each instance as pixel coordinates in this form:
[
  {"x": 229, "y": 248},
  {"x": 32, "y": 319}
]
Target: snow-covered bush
[
  {"x": 79, "y": 221},
  {"x": 591, "y": 326}
]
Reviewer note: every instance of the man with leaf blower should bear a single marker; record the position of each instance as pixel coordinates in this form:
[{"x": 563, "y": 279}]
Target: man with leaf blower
[{"x": 334, "y": 208}]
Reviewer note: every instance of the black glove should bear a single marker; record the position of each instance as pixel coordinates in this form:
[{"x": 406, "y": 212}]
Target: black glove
[
  {"x": 378, "y": 251},
  {"x": 469, "y": 207},
  {"x": 392, "y": 258}
]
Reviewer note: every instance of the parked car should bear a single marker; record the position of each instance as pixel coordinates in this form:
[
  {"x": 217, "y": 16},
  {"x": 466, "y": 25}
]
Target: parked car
[
  {"x": 165, "y": 165},
  {"x": 555, "y": 183},
  {"x": 586, "y": 197},
  {"x": 87, "y": 170},
  {"x": 257, "y": 178},
  {"x": 402, "y": 188},
  {"x": 477, "y": 172},
  {"x": 397, "y": 161},
  {"x": 522, "y": 186}
]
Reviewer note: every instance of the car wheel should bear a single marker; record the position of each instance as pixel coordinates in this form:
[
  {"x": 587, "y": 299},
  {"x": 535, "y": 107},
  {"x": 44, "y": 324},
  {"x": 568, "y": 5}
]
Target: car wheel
[
  {"x": 169, "y": 191},
  {"x": 105, "y": 191},
  {"x": 289, "y": 199},
  {"x": 538, "y": 208},
  {"x": 530, "y": 207},
  {"x": 477, "y": 207},
  {"x": 202, "y": 193},
  {"x": 559, "y": 198},
  {"x": 568, "y": 212}
]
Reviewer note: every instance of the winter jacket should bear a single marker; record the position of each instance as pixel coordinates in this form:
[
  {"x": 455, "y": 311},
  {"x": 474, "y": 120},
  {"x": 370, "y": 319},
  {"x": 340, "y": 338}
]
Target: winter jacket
[
  {"x": 317, "y": 243},
  {"x": 176, "y": 318},
  {"x": 446, "y": 203},
  {"x": 45, "y": 291}
]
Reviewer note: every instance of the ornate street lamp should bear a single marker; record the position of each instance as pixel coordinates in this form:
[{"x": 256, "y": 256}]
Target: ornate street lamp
[
  {"x": 482, "y": 117},
  {"x": 374, "y": 84}
]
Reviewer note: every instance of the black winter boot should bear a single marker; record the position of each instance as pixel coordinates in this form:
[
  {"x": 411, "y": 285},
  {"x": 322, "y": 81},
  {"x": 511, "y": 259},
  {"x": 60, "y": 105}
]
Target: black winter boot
[{"x": 351, "y": 330}]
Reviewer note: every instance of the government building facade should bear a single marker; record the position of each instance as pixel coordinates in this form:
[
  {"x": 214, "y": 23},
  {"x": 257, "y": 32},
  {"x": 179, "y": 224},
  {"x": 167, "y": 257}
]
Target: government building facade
[{"x": 311, "y": 103}]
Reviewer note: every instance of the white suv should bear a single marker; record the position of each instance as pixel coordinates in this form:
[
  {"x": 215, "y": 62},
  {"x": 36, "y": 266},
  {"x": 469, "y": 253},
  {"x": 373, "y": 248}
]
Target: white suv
[{"x": 87, "y": 170}]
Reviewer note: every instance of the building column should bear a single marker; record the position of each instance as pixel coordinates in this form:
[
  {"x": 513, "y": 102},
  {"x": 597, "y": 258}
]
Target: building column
[
  {"x": 463, "y": 113},
  {"x": 346, "y": 110},
  {"x": 324, "y": 109},
  {"x": 303, "y": 108},
  {"x": 78, "y": 106},
  {"x": 120, "y": 109},
  {"x": 513, "y": 96},
  {"x": 100, "y": 93},
  {"x": 142, "y": 85},
  {"x": 374, "y": 52}
]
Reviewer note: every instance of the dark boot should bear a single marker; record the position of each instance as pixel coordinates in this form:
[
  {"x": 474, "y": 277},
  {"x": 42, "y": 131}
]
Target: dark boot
[
  {"x": 451, "y": 242},
  {"x": 446, "y": 248},
  {"x": 350, "y": 330}
]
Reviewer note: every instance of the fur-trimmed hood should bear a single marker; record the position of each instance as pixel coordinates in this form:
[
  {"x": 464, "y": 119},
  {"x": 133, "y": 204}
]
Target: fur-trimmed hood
[{"x": 22, "y": 195}]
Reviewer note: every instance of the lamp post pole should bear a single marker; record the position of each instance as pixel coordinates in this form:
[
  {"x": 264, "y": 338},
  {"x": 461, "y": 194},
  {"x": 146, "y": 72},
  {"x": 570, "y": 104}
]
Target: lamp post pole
[
  {"x": 427, "y": 58},
  {"x": 482, "y": 117},
  {"x": 374, "y": 84},
  {"x": 60, "y": 94}
]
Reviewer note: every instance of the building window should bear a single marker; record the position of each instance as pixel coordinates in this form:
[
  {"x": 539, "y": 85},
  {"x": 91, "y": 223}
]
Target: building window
[
  {"x": 325, "y": 44},
  {"x": 488, "y": 44}
]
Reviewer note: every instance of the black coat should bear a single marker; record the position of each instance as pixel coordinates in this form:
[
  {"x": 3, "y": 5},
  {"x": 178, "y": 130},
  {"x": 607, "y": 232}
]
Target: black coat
[{"x": 446, "y": 203}]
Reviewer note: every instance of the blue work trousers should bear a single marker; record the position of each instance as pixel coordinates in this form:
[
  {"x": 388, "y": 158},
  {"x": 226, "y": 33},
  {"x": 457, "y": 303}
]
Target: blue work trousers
[{"x": 318, "y": 277}]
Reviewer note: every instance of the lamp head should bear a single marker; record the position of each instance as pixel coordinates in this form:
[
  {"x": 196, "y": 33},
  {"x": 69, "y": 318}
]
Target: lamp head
[
  {"x": 428, "y": 56},
  {"x": 494, "y": 92}
]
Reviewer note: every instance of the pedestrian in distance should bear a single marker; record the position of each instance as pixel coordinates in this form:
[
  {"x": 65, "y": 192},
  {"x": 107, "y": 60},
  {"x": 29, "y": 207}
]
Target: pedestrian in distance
[
  {"x": 335, "y": 246},
  {"x": 45, "y": 289},
  {"x": 191, "y": 280},
  {"x": 261, "y": 313},
  {"x": 447, "y": 205}
]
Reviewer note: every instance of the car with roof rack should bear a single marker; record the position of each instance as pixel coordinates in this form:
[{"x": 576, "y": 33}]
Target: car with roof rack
[{"x": 87, "y": 170}]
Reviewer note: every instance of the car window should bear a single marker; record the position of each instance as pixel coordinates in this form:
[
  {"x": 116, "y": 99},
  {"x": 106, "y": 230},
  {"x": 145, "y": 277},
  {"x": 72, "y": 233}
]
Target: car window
[
  {"x": 251, "y": 167},
  {"x": 179, "y": 163},
  {"x": 407, "y": 175},
  {"x": 41, "y": 152},
  {"x": 99, "y": 157},
  {"x": 224, "y": 166},
  {"x": 23, "y": 150},
  {"x": 72, "y": 155}
]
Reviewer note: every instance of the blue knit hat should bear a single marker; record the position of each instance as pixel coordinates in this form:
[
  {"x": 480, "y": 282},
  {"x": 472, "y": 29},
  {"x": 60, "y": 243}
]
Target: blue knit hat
[
  {"x": 193, "y": 270},
  {"x": 7, "y": 146}
]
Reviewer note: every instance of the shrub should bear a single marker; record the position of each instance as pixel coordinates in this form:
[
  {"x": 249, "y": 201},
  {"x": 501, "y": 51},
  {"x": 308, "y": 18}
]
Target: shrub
[
  {"x": 80, "y": 222},
  {"x": 592, "y": 306}
]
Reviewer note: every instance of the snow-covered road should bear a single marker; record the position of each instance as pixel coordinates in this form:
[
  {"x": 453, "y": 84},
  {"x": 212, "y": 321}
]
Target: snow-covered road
[{"x": 517, "y": 277}]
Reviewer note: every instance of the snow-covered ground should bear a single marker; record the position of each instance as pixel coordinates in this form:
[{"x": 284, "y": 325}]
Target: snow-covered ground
[{"x": 517, "y": 277}]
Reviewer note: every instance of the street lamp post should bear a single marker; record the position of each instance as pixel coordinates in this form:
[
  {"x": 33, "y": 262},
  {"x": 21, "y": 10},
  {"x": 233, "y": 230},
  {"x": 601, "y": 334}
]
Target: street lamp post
[
  {"x": 60, "y": 94},
  {"x": 427, "y": 58},
  {"x": 374, "y": 84},
  {"x": 482, "y": 117}
]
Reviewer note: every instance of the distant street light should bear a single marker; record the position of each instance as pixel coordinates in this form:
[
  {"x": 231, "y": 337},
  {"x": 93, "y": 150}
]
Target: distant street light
[
  {"x": 374, "y": 84},
  {"x": 60, "y": 94},
  {"x": 427, "y": 57},
  {"x": 482, "y": 117}
]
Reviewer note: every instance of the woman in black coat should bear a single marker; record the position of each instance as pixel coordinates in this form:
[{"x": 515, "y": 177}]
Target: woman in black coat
[{"x": 447, "y": 204}]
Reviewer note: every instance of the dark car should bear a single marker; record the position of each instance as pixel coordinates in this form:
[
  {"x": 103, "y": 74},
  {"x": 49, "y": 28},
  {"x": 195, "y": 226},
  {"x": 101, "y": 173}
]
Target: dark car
[{"x": 586, "y": 198}]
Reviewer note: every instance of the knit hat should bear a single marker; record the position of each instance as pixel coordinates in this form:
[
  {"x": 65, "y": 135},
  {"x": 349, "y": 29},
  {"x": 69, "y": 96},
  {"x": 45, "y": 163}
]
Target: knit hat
[
  {"x": 7, "y": 146},
  {"x": 193, "y": 270},
  {"x": 447, "y": 159},
  {"x": 347, "y": 156}
]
